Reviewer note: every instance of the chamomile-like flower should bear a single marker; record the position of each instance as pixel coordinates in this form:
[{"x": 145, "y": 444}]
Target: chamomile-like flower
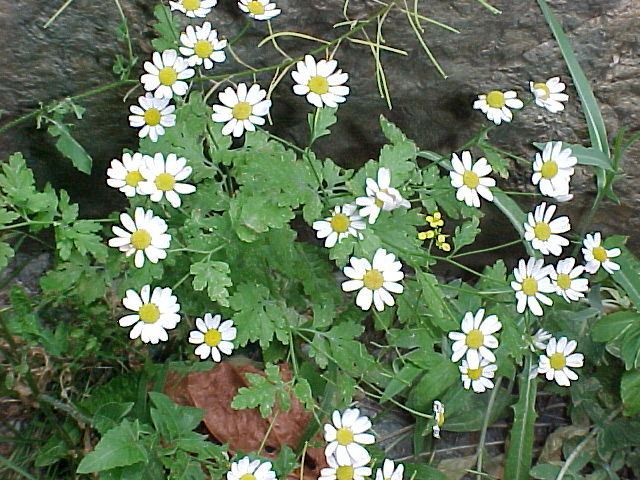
[
  {"x": 145, "y": 236},
  {"x": 497, "y": 105},
  {"x": 212, "y": 337},
  {"x": 549, "y": 94},
  {"x": 245, "y": 469},
  {"x": 389, "y": 471},
  {"x": 596, "y": 255},
  {"x": 471, "y": 179},
  {"x": 438, "y": 417},
  {"x": 156, "y": 313},
  {"x": 241, "y": 109},
  {"x": 343, "y": 222},
  {"x": 374, "y": 280},
  {"x": 544, "y": 233},
  {"x": 201, "y": 46},
  {"x": 153, "y": 115},
  {"x": 552, "y": 170},
  {"x": 479, "y": 378},
  {"x": 476, "y": 338},
  {"x": 539, "y": 340},
  {"x": 125, "y": 174},
  {"x": 559, "y": 356},
  {"x": 345, "y": 437},
  {"x": 320, "y": 82},
  {"x": 380, "y": 196},
  {"x": 161, "y": 178},
  {"x": 166, "y": 73},
  {"x": 531, "y": 283},
  {"x": 193, "y": 8},
  {"x": 341, "y": 469},
  {"x": 259, "y": 9},
  {"x": 565, "y": 279}
]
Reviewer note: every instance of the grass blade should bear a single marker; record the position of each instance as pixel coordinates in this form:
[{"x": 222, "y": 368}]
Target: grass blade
[{"x": 514, "y": 213}]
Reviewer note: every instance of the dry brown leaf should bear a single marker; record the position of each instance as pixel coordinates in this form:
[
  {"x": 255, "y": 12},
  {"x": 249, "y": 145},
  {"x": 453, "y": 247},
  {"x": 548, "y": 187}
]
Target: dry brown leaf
[{"x": 552, "y": 450}]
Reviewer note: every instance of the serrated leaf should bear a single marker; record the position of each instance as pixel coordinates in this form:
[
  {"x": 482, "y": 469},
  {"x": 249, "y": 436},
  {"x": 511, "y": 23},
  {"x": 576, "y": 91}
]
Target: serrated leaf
[
  {"x": 69, "y": 146},
  {"x": 172, "y": 420},
  {"x": 6, "y": 253},
  {"x": 466, "y": 233},
  {"x": 166, "y": 28},
  {"x": 261, "y": 393},
  {"x": 7, "y": 216},
  {"x": 214, "y": 276},
  {"x": 319, "y": 122}
]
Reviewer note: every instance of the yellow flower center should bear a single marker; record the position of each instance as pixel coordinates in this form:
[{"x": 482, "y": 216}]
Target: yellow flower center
[
  {"x": 168, "y": 76},
  {"x": 564, "y": 281},
  {"x": 549, "y": 169},
  {"x": 495, "y": 99},
  {"x": 373, "y": 279},
  {"x": 470, "y": 179},
  {"x": 344, "y": 472},
  {"x": 557, "y": 361},
  {"x": 530, "y": 286},
  {"x": 318, "y": 85},
  {"x": 542, "y": 86},
  {"x": 212, "y": 337},
  {"x": 344, "y": 436},
  {"x": 440, "y": 418},
  {"x": 255, "y": 7},
  {"x": 152, "y": 117},
  {"x": 241, "y": 111},
  {"x": 149, "y": 313},
  {"x": 133, "y": 178},
  {"x": 600, "y": 254},
  {"x": 542, "y": 231},
  {"x": 474, "y": 373},
  {"x": 165, "y": 182},
  {"x": 191, "y": 5},
  {"x": 475, "y": 339},
  {"x": 203, "y": 48},
  {"x": 248, "y": 476},
  {"x": 140, "y": 239},
  {"x": 340, "y": 223}
]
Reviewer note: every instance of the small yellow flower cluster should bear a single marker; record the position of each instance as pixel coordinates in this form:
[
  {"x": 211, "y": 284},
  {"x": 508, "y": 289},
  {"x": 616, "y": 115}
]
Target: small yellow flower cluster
[{"x": 436, "y": 222}]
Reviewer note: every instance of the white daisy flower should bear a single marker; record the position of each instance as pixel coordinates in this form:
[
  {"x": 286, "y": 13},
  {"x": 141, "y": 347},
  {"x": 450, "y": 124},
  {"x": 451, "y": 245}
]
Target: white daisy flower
[
  {"x": 532, "y": 282},
  {"x": 345, "y": 437},
  {"x": 193, "y": 8},
  {"x": 552, "y": 170},
  {"x": 145, "y": 236},
  {"x": 125, "y": 174},
  {"x": 161, "y": 178},
  {"x": 438, "y": 417},
  {"x": 496, "y": 105},
  {"x": 565, "y": 279},
  {"x": 156, "y": 313},
  {"x": 380, "y": 196},
  {"x": 213, "y": 337},
  {"x": 201, "y": 46},
  {"x": 344, "y": 222},
  {"x": 389, "y": 471},
  {"x": 165, "y": 74},
  {"x": 476, "y": 338},
  {"x": 259, "y": 9},
  {"x": 320, "y": 82},
  {"x": 374, "y": 281},
  {"x": 152, "y": 115},
  {"x": 471, "y": 179},
  {"x": 242, "y": 109},
  {"x": 539, "y": 340},
  {"x": 596, "y": 255},
  {"x": 479, "y": 378},
  {"x": 245, "y": 469},
  {"x": 549, "y": 94},
  {"x": 543, "y": 233},
  {"x": 345, "y": 469},
  {"x": 559, "y": 356}
]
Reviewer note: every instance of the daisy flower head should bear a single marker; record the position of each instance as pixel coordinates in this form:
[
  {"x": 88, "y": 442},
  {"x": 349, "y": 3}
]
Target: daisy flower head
[
  {"x": 596, "y": 255},
  {"x": 497, "y": 105},
  {"x": 374, "y": 280},
  {"x": 565, "y": 280},
  {"x": 259, "y": 9},
  {"x": 345, "y": 437},
  {"x": 341, "y": 469},
  {"x": 389, "y": 471},
  {"x": 343, "y": 222},
  {"x": 438, "y": 417},
  {"x": 161, "y": 178},
  {"x": 165, "y": 74},
  {"x": 144, "y": 236},
  {"x": 539, "y": 340},
  {"x": 531, "y": 283},
  {"x": 471, "y": 179},
  {"x": 552, "y": 170},
  {"x": 479, "y": 378},
  {"x": 559, "y": 356},
  {"x": 544, "y": 233},
  {"x": 193, "y": 8},
  {"x": 245, "y": 469},
  {"x": 125, "y": 174},
  {"x": 549, "y": 94},
  {"x": 153, "y": 115},
  {"x": 320, "y": 82},
  {"x": 155, "y": 313},
  {"x": 476, "y": 338},
  {"x": 200, "y": 45},
  {"x": 212, "y": 337},
  {"x": 241, "y": 109},
  {"x": 380, "y": 196}
]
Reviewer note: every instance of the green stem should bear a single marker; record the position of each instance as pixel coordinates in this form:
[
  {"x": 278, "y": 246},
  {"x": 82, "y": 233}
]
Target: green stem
[
  {"x": 488, "y": 249},
  {"x": 485, "y": 426}
]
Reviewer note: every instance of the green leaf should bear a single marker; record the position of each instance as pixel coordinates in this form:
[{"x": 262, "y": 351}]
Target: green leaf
[
  {"x": 611, "y": 326},
  {"x": 319, "y": 122},
  {"x": 172, "y": 420},
  {"x": 215, "y": 277},
  {"x": 514, "y": 214},
  {"x": 109, "y": 415},
  {"x": 628, "y": 277},
  {"x": 422, "y": 472},
  {"x": 262, "y": 391},
  {"x": 585, "y": 155},
  {"x": 7, "y": 216},
  {"x": 69, "y": 146},
  {"x": 6, "y": 253},
  {"x": 434, "y": 304},
  {"x": 499, "y": 164},
  {"x": 166, "y": 27},
  {"x": 466, "y": 233}
]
